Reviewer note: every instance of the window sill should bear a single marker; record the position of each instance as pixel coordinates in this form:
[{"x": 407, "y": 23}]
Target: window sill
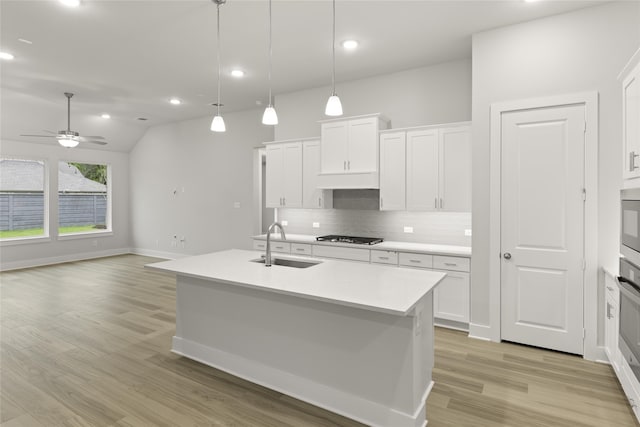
[
  {"x": 88, "y": 235},
  {"x": 24, "y": 240}
]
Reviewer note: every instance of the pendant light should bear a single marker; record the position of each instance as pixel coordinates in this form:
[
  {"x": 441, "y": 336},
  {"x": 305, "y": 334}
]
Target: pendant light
[
  {"x": 334, "y": 106},
  {"x": 217, "y": 124},
  {"x": 270, "y": 117}
]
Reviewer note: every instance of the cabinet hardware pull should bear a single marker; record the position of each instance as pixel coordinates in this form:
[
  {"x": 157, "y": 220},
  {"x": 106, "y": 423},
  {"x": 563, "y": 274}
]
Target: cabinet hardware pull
[
  {"x": 381, "y": 203},
  {"x": 610, "y": 288},
  {"x": 435, "y": 203},
  {"x": 344, "y": 166},
  {"x": 632, "y": 161},
  {"x": 414, "y": 260},
  {"x": 451, "y": 264},
  {"x": 384, "y": 257},
  {"x": 319, "y": 202},
  {"x": 348, "y": 164},
  {"x": 284, "y": 201},
  {"x": 440, "y": 203},
  {"x": 299, "y": 249},
  {"x": 608, "y": 311}
]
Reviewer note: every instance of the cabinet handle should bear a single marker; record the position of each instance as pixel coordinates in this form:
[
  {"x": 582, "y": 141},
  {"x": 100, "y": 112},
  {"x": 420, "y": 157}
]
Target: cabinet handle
[
  {"x": 440, "y": 203},
  {"x": 435, "y": 203},
  {"x": 344, "y": 165},
  {"x": 608, "y": 311},
  {"x": 381, "y": 203},
  {"x": 383, "y": 257},
  {"x": 632, "y": 161},
  {"x": 284, "y": 202},
  {"x": 348, "y": 164},
  {"x": 450, "y": 264},
  {"x": 610, "y": 288},
  {"x": 319, "y": 202},
  {"x": 299, "y": 249},
  {"x": 415, "y": 260}
]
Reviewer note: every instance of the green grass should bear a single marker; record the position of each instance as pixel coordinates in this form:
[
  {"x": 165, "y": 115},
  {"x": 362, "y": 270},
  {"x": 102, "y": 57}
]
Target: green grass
[{"x": 35, "y": 232}]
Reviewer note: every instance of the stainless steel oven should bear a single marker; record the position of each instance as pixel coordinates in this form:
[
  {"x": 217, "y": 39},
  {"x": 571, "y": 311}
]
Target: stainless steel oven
[
  {"x": 629, "y": 339},
  {"x": 630, "y": 228}
]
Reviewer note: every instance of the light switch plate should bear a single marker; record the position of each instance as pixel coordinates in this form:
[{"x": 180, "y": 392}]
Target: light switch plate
[
  {"x": 467, "y": 232},
  {"x": 408, "y": 229},
  {"x": 236, "y": 205},
  {"x": 284, "y": 222}
]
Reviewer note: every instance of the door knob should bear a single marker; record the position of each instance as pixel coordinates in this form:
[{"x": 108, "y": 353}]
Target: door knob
[{"x": 507, "y": 255}]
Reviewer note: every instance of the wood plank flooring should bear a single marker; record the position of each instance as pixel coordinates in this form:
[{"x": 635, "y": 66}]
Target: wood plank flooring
[{"x": 88, "y": 344}]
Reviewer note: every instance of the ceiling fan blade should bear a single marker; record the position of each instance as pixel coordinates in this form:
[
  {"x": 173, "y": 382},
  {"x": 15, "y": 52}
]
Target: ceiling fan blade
[
  {"x": 41, "y": 136},
  {"x": 49, "y": 131},
  {"x": 95, "y": 142},
  {"x": 93, "y": 136}
]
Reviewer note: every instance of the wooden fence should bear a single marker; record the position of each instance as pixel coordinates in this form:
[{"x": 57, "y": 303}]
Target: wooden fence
[{"x": 20, "y": 211}]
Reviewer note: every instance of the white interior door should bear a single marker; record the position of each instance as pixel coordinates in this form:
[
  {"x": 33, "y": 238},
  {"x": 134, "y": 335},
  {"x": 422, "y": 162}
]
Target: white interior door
[{"x": 542, "y": 230}]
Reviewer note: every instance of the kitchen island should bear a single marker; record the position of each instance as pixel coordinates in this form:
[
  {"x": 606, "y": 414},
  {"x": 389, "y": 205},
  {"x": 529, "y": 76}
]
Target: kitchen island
[{"x": 356, "y": 339}]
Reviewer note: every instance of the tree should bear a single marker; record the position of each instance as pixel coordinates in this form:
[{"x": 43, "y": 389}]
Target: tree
[{"x": 97, "y": 173}]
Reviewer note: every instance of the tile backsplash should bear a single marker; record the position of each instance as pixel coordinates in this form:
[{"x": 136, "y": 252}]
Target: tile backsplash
[{"x": 428, "y": 227}]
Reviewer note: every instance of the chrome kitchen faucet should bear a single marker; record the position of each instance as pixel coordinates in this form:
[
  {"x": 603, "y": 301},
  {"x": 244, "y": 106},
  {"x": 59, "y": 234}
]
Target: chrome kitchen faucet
[{"x": 267, "y": 255}]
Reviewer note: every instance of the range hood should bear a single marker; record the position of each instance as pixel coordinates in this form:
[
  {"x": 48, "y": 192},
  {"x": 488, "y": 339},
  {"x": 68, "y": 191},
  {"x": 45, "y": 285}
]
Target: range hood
[{"x": 350, "y": 181}]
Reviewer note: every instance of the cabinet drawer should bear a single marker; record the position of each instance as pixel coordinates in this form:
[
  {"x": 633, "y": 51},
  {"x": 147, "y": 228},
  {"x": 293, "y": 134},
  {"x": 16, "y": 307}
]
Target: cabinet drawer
[
  {"x": 384, "y": 257},
  {"x": 451, "y": 263},
  {"x": 301, "y": 249},
  {"x": 339, "y": 252},
  {"x": 260, "y": 245},
  {"x": 280, "y": 247},
  {"x": 416, "y": 260}
]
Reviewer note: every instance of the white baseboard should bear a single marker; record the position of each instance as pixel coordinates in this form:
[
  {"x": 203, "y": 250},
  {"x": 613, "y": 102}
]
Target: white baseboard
[
  {"x": 157, "y": 254},
  {"x": 335, "y": 400},
  {"x": 479, "y": 332},
  {"x": 38, "y": 262},
  {"x": 596, "y": 354}
]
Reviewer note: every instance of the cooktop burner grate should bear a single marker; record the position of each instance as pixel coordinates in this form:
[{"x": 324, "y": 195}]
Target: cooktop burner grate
[{"x": 350, "y": 239}]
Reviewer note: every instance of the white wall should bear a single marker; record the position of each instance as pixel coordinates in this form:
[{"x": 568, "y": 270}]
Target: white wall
[
  {"x": 429, "y": 95},
  {"x": 209, "y": 172},
  {"x": 575, "y": 52},
  {"x": 95, "y": 245}
]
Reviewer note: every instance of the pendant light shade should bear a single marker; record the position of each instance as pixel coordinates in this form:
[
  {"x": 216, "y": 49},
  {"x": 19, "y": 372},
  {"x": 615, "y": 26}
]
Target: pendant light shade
[
  {"x": 270, "y": 117},
  {"x": 334, "y": 106},
  {"x": 217, "y": 124}
]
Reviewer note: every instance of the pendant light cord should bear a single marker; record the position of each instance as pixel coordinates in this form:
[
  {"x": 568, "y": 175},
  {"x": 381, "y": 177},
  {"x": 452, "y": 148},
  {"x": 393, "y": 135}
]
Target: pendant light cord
[
  {"x": 333, "y": 49},
  {"x": 270, "y": 52},
  {"x": 219, "y": 66}
]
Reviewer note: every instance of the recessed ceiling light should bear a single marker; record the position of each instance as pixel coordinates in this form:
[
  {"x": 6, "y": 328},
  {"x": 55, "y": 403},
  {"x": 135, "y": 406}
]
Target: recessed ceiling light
[
  {"x": 70, "y": 3},
  {"x": 350, "y": 44},
  {"x": 6, "y": 55},
  {"x": 106, "y": 116},
  {"x": 237, "y": 73},
  {"x": 175, "y": 101}
]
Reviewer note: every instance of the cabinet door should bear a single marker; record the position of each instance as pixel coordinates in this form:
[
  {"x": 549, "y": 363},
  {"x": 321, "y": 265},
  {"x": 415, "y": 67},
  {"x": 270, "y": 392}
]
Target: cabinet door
[
  {"x": 333, "y": 147},
  {"x": 363, "y": 145},
  {"x": 455, "y": 169},
  {"x": 274, "y": 176},
  {"x": 631, "y": 123},
  {"x": 422, "y": 170},
  {"x": 392, "y": 171},
  {"x": 292, "y": 175},
  {"x": 451, "y": 297},
  {"x": 312, "y": 196}
]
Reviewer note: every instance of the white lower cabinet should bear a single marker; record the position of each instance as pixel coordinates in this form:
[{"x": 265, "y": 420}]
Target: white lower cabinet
[
  {"x": 451, "y": 297},
  {"x": 384, "y": 257},
  {"x": 611, "y": 322},
  {"x": 277, "y": 246}
]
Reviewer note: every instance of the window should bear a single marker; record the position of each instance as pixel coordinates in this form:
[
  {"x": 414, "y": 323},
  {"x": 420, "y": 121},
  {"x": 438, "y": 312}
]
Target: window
[
  {"x": 83, "y": 198},
  {"x": 23, "y": 211}
]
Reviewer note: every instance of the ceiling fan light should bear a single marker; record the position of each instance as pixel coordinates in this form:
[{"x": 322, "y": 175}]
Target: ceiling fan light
[
  {"x": 70, "y": 3},
  {"x": 68, "y": 141},
  {"x": 270, "y": 117},
  {"x": 217, "y": 124},
  {"x": 334, "y": 106}
]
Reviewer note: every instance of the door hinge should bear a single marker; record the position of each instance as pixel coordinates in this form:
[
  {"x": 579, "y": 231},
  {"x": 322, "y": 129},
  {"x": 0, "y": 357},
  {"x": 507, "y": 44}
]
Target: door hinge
[
  {"x": 584, "y": 194},
  {"x": 584, "y": 264},
  {"x": 584, "y": 334},
  {"x": 584, "y": 128}
]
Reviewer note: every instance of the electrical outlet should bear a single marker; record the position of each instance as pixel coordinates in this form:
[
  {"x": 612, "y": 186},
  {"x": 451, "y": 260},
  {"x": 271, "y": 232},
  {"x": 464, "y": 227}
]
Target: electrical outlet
[
  {"x": 236, "y": 205},
  {"x": 408, "y": 229},
  {"x": 315, "y": 225},
  {"x": 467, "y": 232},
  {"x": 285, "y": 222}
]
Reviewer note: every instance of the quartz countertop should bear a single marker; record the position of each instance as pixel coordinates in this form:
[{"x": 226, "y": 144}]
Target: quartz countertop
[
  {"x": 379, "y": 288},
  {"x": 426, "y": 248}
]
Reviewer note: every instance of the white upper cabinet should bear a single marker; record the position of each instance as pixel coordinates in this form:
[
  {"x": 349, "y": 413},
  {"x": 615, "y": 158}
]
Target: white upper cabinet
[
  {"x": 393, "y": 171},
  {"x": 284, "y": 175},
  {"x": 455, "y": 169},
  {"x": 312, "y": 196},
  {"x": 349, "y": 152},
  {"x": 435, "y": 174},
  {"x": 422, "y": 170},
  {"x": 630, "y": 77}
]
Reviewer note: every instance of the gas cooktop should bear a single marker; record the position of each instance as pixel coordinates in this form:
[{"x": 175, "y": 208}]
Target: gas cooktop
[{"x": 349, "y": 239}]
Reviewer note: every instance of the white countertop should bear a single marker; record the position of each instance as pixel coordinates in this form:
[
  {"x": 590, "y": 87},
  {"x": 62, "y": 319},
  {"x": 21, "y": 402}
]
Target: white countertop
[
  {"x": 426, "y": 248},
  {"x": 386, "y": 289}
]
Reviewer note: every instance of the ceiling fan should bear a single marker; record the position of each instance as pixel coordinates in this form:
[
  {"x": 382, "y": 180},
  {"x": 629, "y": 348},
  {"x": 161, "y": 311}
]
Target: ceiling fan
[{"x": 69, "y": 138}]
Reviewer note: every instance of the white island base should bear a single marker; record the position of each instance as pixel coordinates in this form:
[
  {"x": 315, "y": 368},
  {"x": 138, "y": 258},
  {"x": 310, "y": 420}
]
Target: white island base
[{"x": 366, "y": 364}]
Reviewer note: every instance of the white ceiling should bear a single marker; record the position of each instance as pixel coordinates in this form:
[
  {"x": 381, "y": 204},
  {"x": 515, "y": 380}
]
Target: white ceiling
[{"x": 127, "y": 58}]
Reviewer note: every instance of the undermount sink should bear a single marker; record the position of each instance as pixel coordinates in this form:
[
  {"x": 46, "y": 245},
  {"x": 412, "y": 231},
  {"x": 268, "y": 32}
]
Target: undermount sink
[{"x": 287, "y": 262}]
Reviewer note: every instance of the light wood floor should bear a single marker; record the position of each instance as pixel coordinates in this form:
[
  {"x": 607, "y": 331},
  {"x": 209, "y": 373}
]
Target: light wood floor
[{"x": 87, "y": 344}]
